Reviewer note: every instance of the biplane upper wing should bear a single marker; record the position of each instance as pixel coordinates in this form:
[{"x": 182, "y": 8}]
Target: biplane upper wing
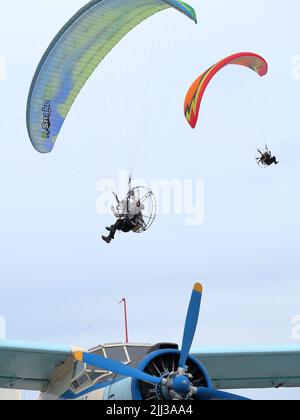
[
  {"x": 29, "y": 366},
  {"x": 245, "y": 368}
]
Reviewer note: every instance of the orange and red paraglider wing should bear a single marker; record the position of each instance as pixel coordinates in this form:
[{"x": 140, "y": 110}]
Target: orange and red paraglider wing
[
  {"x": 196, "y": 92},
  {"x": 194, "y": 97}
]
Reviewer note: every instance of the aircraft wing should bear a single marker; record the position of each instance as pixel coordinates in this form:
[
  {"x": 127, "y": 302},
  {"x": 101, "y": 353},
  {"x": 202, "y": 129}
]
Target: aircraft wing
[
  {"x": 28, "y": 366},
  {"x": 242, "y": 368}
]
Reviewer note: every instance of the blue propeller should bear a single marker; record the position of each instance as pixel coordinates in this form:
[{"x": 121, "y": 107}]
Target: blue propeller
[
  {"x": 190, "y": 325},
  {"x": 178, "y": 382},
  {"x": 119, "y": 368}
]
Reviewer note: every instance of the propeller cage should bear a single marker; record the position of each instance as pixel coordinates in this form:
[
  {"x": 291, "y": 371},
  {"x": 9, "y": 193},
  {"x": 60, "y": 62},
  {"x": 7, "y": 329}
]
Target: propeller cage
[{"x": 164, "y": 364}]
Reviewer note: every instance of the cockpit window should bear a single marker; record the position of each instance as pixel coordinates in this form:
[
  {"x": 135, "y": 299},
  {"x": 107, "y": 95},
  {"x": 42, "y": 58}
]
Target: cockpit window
[
  {"x": 78, "y": 368},
  {"x": 136, "y": 354},
  {"x": 116, "y": 353},
  {"x": 95, "y": 376},
  {"x": 98, "y": 352},
  {"x": 83, "y": 379}
]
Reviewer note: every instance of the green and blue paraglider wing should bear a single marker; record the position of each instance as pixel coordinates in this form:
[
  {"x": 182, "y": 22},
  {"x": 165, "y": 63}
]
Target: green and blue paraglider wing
[{"x": 75, "y": 53}]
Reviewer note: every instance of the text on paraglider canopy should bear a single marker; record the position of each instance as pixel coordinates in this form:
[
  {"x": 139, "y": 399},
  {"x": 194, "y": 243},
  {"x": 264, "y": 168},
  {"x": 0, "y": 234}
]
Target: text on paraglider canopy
[{"x": 46, "y": 123}]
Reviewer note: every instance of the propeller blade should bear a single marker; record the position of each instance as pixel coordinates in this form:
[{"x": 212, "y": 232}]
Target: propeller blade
[
  {"x": 207, "y": 394},
  {"x": 191, "y": 324},
  {"x": 114, "y": 366}
]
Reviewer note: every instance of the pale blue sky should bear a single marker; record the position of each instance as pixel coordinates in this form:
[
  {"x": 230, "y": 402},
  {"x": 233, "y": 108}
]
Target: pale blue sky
[{"x": 56, "y": 274}]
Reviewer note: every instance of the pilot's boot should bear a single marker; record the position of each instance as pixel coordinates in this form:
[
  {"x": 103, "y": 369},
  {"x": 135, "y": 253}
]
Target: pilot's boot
[{"x": 106, "y": 239}]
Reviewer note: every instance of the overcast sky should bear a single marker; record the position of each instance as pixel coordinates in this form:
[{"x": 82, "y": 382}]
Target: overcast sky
[{"x": 57, "y": 276}]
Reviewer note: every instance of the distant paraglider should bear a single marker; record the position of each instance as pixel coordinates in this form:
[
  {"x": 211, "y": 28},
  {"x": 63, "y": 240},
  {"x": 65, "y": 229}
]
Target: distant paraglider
[
  {"x": 266, "y": 158},
  {"x": 197, "y": 90}
]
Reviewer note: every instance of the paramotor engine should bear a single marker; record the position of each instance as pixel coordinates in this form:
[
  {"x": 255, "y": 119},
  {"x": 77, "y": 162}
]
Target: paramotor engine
[{"x": 146, "y": 198}]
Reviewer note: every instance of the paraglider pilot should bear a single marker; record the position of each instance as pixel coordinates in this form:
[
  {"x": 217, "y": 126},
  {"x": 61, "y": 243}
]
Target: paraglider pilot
[
  {"x": 129, "y": 214},
  {"x": 266, "y": 157}
]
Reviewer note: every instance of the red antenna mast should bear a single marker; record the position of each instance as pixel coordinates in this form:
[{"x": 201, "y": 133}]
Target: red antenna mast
[{"x": 124, "y": 302}]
